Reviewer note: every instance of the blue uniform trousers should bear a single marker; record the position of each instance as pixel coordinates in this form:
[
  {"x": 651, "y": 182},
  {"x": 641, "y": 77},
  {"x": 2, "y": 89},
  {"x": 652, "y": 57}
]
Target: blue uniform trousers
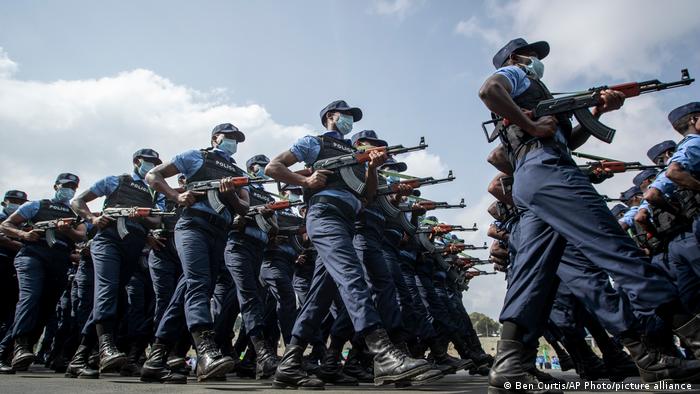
[
  {"x": 424, "y": 328},
  {"x": 243, "y": 256},
  {"x": 559, "y": 204},
  {"x": 114, "y": 261},
  {"x": 165, "y": 269},
  {"x": 41, "y": 274},
  {"x": 277, "y": 274},
  {"x": 684, "y": 262}
]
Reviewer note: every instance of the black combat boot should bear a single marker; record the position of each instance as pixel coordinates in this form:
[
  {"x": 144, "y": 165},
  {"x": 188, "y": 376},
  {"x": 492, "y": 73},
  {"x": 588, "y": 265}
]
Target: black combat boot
[
  {"x": 210, "y": 362},
  {"x": 528, "y": 363},
  {"x": 655, "y": 366},
  {"x": 291, "y": 374},
  {"x": 111, "y": 359},
  {"x": 6, "y": 366},
  {"x": 390, "y": 363},
  {"x": 331, "y": 371},
  {"x": 79, "y": 366},
  {"x": 690, "y": 335},
  {"x": 23, "y": 356},
  {"x": 588, "y": 365},
  {"x": 155, "y": 369},
  {"x": 132, "y": 367},
  {"x": 353, "y": 367},
  {"x": 438, "y": 353},
  {"x": 507, "y": 371},
  {"x": 619, "y": 365},
  {"x": 266, "y": 363},
  {"x": 246, "y": 368},
  {"x": 481, "y": 360}
]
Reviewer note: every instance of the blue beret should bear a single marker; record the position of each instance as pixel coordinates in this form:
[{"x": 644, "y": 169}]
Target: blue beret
[
  {"x": 18, "y": 194},
  {"x": 619, "y": 209},
  {"x": 147, "y": 153},
  {"x": 656, "y": 150},
  {"x": 67, "y": 177},
  {"x": 682, "y": 111},
  {"x": 228, "y": 128},
  {"x": 370, "y": 135},
  {"x": 629, "y": 193},
  {"x": 257, "y": 159},
  {"x": 340, "y": 106},
  {"x": 643, "y": 176},
  {"x": 539, "y": 47}
]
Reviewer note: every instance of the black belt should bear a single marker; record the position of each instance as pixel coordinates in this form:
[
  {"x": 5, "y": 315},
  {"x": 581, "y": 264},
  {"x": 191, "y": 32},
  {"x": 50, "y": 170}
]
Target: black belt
[
  {"x": 344, "y": 208},
  {"x": 214, "y": 220}
]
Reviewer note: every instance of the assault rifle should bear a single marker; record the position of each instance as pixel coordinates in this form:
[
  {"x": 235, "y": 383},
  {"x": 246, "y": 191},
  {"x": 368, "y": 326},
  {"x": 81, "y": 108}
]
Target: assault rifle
[
  {"x": 344, "y": 163},
  {"x": 212, "y": 188},
  {"x": 577, "y": 104},
  {"x": 50, "y": 226},
  {"x": 256, "y": 212},
  {"x": 384, "y": 190},
  {"x": 610, "y": 199},
  {"x": 121, "y": 214},
  {"x": 442, "y": 228},
  {"x": 431, "y": 205}
]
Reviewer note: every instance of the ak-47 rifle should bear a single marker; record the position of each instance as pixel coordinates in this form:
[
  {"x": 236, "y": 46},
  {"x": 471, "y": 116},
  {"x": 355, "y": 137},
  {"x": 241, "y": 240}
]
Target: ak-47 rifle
[
  {"x": 122, "y": 214},
  {"x": 50, "y": 227},
  {"x": 578, "y": 103},
  {"x": 423, "y": 233},
  {"x": 610, "y": 199},
  {"x": 256, "y": 212},
  {"x": 212, "y": 188},
  {"x": 343, "y": 163},
  {"x": 383, "y": 191}
]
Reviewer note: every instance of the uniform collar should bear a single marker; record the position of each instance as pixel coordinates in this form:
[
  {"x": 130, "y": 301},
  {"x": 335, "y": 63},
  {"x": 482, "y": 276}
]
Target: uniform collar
[
  {"x": 136, "y": 177},
  {"x": 56, "y": 201},
  {"x": 335, "y": 134},
  {"x": 223, "y": 154}
]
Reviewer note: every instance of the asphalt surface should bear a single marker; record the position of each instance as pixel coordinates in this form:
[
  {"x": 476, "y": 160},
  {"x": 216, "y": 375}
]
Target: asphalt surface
[{"x": 45, "y": 381}]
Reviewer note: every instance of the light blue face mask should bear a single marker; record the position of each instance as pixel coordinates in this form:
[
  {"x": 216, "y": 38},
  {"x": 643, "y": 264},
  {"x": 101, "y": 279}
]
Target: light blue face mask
[
  {"x": 535, "y": 68},
  {"x": 145, "y": 167},
  {"x": 344, "y": 124},
  {"x": 64, "y": 194},
  {"x": 392, "y": 179},
  {"x": 294, "y": 197},
  {"x": 228, "y": 145},
  {"x": 261, "y": 172},
  {"x": 10, "y": 208}
]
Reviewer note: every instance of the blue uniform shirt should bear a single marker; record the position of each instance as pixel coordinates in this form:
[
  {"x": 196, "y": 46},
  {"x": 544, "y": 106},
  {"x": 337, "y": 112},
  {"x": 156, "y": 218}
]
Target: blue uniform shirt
[
  {"x": 306, "y": 150},
  {"x": 628, "y": 218},
  {"x": 188, "y": 163},
  {"x": 519, "y": 83},
  {"x": 253, "y": 231},
  {"x": 688, "y": 153},
  {"x": 663, "y": 184}
]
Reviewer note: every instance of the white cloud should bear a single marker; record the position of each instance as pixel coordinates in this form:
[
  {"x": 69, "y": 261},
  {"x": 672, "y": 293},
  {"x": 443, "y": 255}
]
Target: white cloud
[
  {"x": 592, "y": 39},
  {"x": 423, "y": 164},
  {"x": 397, "y": 8},
  {"x": 91, "y": 127},
  {"x": 7, "y": 66}
]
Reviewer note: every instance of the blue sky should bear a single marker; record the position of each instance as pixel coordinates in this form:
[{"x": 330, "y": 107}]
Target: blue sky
[{"x": 117, "y": 76}]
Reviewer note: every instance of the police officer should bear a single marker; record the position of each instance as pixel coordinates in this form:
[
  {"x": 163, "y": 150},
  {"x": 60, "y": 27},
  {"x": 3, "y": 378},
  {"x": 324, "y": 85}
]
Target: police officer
[
  {"x": 114, "y": 258},
  {"x": 41, "y": 269},
  {"x": 548, "y": 182},
  {"x": 619, "y": 210},
  {"x": 661, "y": 153},
  {"x": 200, "y": 238},
  {"x": 8, "y": 277},
  {"x": 632, "y": 197},
  {"x": 333, "y": 207}
]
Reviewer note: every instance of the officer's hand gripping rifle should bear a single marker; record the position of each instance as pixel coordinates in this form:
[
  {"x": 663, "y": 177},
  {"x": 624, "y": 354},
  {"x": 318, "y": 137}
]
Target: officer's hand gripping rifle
[
  {"x": 423, "y": 234},
  {"x": 577, "y": 104},
  {"x": 212, "y": 188},
  {"x": 425, "y": 205},
  {"x": 50, "y": 226},
  {"x": 122, "y": 214},
  {"x": 257, "y": 212},
  {"x": 344, "y": 163}
]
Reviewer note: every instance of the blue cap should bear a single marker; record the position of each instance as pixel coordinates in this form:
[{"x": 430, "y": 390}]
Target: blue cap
[
  {"x": 341, "y": 106},
  {"x": 539, "y": 47},
  {"x": 369, "y": 135},
  {"x": 148, "y": 154},
  {"x": 629, "y": 193},
  {"x": 228, "y": 128},
  {"x": 392, "y": 165},
  {"x": 67, "y": 177},
  {"x": 655, "y": 151},
  {"x": 643, "y": 176},
  {"x": 682, "y": 111},
  {"x": 18, "y": 194},
  {"x": 261, "y": 160},
  {"x": 619, "y": 209}
]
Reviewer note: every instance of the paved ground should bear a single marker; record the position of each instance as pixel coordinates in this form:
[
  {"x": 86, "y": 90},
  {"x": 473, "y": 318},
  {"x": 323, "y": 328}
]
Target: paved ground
[{"x": 44, "y": 381}]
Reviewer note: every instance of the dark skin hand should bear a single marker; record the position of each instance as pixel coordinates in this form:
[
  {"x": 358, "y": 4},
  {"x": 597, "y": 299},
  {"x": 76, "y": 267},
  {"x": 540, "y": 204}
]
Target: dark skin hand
[
  {"x": 496, "y": 190},
  {"x": 79, "y": 205},
  {"x": 494, "y": 232},
  {"x": 499, "y": 159},
  {"x": 11, "y": 227}
]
